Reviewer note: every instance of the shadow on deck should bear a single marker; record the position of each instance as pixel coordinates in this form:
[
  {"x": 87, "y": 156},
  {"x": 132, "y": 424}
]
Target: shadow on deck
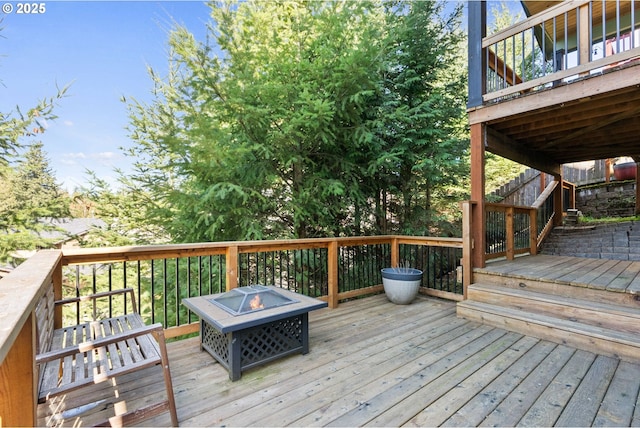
[{"x": 373, "y": 363}]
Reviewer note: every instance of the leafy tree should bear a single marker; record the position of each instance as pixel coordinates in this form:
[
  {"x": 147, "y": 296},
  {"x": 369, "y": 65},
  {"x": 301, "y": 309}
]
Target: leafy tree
[
  {"x": 30, "y": 194},
  {"x": 264, "y": 141}
]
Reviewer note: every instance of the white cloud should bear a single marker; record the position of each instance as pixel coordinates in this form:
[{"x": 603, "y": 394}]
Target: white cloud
[
  {"x": 78, "y": 155},
  {"x": 67, "y": 123},
  {"x": 103, "y": 155}
]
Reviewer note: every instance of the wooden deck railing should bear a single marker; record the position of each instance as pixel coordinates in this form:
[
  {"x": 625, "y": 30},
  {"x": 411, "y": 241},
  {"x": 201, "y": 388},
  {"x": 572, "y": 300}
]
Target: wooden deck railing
[
  {"x": 332, "y": 269},
  {"x": 512, "y": 230},
  {"x": 566, "y": 41}
]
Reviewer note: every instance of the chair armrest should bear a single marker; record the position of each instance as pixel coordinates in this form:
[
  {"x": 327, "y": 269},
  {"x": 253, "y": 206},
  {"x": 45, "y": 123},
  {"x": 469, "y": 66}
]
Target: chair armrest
[
  {"x": 100, "y": 295},
  {"x": 94, "y": 296},
  {"x": 98, "y": 343}
]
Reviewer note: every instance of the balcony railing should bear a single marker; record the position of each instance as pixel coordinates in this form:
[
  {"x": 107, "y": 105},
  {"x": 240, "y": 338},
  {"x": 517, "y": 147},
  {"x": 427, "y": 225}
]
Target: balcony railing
[
  {"x": 332, "y": 269},
  {"x": 564, "y": 42},
  {"x": 511, "y": 230}
]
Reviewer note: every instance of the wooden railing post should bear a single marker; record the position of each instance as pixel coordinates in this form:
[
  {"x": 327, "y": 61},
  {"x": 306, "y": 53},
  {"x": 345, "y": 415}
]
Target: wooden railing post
[
  {"x": 510, "y": 233},
  {"x": 232, "y": 267},
  {"x": 395, "y": 252},
  {"x": 584, "y": 46},
  {"x": 467, "y": 246},
  {"x": 332, "y": 268},
  {"x": 57, "y": 295},
  {"x": 533, "y": 231},
  {"x": 557, "y": 200}
]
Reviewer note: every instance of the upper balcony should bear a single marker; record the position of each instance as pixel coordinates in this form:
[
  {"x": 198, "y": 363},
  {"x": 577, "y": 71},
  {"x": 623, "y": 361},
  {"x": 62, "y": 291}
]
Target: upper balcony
[{"x": 561, "y": 86}]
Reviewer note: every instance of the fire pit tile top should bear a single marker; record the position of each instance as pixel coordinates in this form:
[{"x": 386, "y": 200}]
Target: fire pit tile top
[{"x": 225, "y": 321}]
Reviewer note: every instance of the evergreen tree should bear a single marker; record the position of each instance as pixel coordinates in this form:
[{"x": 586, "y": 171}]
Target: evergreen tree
[
  {"x": 423, "y": 156},
  {"x": 304, "y": 119},
  {"x": 30, "y": 195}
]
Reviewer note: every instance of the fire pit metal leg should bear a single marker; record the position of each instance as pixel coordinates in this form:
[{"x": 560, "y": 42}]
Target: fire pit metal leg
[
  {"x": 235, "y": 356},
  {"x": 305, "y": 333}
]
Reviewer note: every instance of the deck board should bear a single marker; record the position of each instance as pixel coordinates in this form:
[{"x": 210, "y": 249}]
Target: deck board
[
  {"x": 601, "y": 274},
  {"x": 374, "y": 363}
]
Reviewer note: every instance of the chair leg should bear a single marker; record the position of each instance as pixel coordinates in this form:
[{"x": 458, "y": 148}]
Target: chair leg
[{"x": 167, "y": 376}]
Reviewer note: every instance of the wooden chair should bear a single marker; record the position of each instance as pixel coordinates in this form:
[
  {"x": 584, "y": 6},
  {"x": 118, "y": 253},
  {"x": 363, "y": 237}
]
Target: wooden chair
[{"x": 72, "y": 357}]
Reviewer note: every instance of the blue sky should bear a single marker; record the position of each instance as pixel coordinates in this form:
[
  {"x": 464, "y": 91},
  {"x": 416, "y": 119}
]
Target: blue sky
[{"x": 102, "y": 49}]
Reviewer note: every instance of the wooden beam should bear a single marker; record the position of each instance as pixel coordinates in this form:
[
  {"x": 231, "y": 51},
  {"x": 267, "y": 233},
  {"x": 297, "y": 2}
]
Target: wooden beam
[
  {"x": 598, "y": 125},
  {"x": 502, "y": 145}
]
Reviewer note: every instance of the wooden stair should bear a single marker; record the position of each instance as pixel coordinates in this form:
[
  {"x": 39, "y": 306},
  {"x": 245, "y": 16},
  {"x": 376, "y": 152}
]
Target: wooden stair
[{"x": 595, "y": 320}]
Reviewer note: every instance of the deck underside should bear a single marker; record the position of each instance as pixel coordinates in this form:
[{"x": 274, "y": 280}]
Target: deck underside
[{"x": 378, "y": 364}]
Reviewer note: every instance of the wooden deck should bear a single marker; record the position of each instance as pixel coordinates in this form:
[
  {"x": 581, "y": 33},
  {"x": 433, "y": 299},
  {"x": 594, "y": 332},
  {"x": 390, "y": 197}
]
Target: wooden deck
[
  {"x": 374, "y": 363},
  {"x": 600, "y": 274}
]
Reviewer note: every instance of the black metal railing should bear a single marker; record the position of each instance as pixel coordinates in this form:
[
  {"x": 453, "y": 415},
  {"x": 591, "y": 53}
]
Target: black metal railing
[
  {"x": 495, "y": 232},
  {"x": 438, "y": 264},
  {"x": 361, "y": 264},
  {"x": 545, "y": 214},
  {"x": 551, "y": 47},
  {"x": 161, "y": 282}
]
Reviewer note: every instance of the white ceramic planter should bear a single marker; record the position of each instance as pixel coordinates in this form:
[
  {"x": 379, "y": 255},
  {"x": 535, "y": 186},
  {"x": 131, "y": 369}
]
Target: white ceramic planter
[{"x": 401, "y": 285}]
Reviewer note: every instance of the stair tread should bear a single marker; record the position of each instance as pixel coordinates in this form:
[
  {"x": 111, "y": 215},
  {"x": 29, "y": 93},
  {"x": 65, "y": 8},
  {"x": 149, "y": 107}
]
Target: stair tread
[
  {"x": 567, "y": 301},
  {"x": 555, "y": 323}
]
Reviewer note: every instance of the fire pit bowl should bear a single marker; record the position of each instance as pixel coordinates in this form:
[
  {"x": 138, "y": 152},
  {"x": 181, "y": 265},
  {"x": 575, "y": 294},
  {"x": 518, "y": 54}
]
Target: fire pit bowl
[{"x": 244, "y": 300}]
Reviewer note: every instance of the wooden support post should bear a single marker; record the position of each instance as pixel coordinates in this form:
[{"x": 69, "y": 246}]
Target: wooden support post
[
  {"x": 332, "y": 268},
  {"x": 232, "y": 268},
  {"x": 18, "y": 380},
  {"x": 607, "y": 170},
  {"x": 478, "y": 140}
]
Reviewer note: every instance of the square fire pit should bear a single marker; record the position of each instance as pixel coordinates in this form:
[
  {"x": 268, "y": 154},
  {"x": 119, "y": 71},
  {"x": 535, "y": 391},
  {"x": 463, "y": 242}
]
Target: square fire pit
[{"x": 249, "y": 326}]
